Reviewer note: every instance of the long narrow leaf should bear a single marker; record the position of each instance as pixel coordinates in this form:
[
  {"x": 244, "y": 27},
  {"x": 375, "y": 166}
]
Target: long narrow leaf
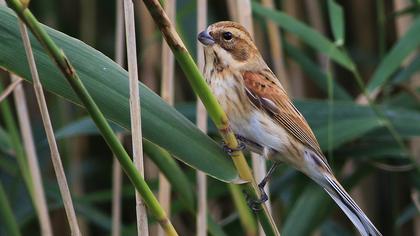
[
  {"x": 306, "y": 34},
  {"x": 404, "y": 47},
  {"x": 108, "y": 84},
  {"x": 336, "y": 15}
]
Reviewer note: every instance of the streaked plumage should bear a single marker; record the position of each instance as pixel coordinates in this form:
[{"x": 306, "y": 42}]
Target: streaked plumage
[{"x": 261, "y": 113}]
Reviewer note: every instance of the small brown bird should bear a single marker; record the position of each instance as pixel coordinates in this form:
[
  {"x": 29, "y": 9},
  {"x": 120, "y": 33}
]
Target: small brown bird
[{"x": 262, "y": 115}]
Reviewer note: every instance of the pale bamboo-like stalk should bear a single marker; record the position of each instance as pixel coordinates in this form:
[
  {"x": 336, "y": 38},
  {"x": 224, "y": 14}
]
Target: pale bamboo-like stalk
[
  {"x": 116, "y": 194},
  {"x": 10, "y": 88},
  {"x": 259, "y": 165},
  {"x": 276, "y": 48},
  {"x": 315, "y": 18},
  {"x": 297, "y": 84},
  {"x": 167, "y": 94},
  {"x": 402, "y": 24},
  {"x": 55, "y": 155},
  {"x": 232, "y": 9},
  {"x": 151, "y": 50},
  {"x": 30, "y": 150},
  {"x": 142, "y": 226},
  {"x": 116, "y": 168},
  {"x": 201, "y": 221}
]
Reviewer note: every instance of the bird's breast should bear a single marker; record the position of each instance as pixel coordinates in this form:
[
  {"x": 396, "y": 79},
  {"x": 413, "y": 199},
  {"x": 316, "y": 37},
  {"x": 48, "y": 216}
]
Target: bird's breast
[{"x": 245, "y": 119}]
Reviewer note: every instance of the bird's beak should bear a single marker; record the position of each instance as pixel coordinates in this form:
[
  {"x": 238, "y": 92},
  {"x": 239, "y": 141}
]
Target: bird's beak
[{"x": 205, "y": 38}]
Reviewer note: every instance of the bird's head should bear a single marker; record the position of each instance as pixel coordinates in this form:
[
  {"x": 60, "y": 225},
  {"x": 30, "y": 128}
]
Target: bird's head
[{"x": 230, "y": 44}]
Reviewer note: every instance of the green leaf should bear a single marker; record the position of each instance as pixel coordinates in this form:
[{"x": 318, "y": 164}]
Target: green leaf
[
  {"x": 315, "y": 111},
  {"x": 171, "y": 170},
  {"x": 314, "y": 72},
  {"x": 404, "y": 47},
  {"x": 306, "y": 34},
  {"x": 346, "y": 130},
  {"x": 83, "y": 126},
  {"x": 336, "y": 15},
  {"x": 408, "y": 71},
  {"x": 309, "y": 210},
  {"x": 108, "y": 84}
]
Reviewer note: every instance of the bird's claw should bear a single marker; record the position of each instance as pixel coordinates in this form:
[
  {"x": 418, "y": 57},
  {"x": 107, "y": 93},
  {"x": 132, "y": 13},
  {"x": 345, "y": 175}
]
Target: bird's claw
[
  {"x": 241, "y": 146},
  {"x": 255, "y": 204}
]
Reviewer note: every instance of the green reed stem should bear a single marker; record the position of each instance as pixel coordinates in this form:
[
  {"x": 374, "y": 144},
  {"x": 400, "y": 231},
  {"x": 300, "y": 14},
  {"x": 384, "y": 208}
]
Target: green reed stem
[{"x": 197, "y": 82}]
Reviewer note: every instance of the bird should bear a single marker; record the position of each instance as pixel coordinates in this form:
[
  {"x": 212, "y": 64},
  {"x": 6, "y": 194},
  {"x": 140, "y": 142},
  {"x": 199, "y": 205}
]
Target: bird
[{"x": 263, "y": 117}]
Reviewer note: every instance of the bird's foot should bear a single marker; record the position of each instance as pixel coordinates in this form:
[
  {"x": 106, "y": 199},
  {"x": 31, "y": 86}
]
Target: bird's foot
[
  {"x": 241, "y": 146},
  {"x": 255, "y": 204}
]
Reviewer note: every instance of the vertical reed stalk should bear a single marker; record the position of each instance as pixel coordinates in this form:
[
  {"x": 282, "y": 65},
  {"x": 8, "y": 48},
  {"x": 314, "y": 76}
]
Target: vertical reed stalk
[
  {"x": 316, "y": 19},
  {"x": 150, "y": 48},
  {"x": 116, "y": 194},
  {"x": 30, "y": 150},
  {"x": 12, "y": 130},
  {"x": 277, "y": 54},
  {"x": 142, "y": 226},
  {"x": 202, "y": 125},
  {"x": 232, "y": 9},
  {"x": 167, "y": 94},
  {"x": 55, "y": 155},
  {"x": 297, "y": 84},
  {"x": 117, "y": 179},
  {"x": 259, "y": 165}
]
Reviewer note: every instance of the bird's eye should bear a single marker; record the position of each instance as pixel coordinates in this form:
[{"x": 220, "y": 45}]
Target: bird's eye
[{"x": 227, "y": 36}]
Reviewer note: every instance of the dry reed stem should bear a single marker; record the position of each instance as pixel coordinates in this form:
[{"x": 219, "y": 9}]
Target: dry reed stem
[
  {"x": 259, "y": 165},
  {"x": 116, "y": 167},
  {"x": 150, "y": 48},
  {"x": 116, "y": 194},
  {"x": 277, "y": 54},
  {"x": 55, "y": 155},
  {"x": 232, "y": 9},
  {"x": 142, "y": 226},
  {"x": 167, "y": 94},
  {"x": 202, "y": 125},
  {"x": 315, "y": 18},
  {"x": 297, "y": 84},
  {"x": 10, "y": 88},
  {"x": 30, "y": 150}
]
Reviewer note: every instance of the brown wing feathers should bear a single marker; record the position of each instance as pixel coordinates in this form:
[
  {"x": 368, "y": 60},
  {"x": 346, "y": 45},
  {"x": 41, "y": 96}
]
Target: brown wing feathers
[{"x": 270, "y": 97}]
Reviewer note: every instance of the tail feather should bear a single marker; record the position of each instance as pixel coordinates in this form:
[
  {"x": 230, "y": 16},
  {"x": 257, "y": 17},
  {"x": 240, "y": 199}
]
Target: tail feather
[{"x": 349, "y": 207}]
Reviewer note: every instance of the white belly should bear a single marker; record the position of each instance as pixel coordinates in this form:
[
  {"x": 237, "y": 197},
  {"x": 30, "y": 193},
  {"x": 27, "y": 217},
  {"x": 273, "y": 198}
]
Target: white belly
[{"x": 263, "y": 130}]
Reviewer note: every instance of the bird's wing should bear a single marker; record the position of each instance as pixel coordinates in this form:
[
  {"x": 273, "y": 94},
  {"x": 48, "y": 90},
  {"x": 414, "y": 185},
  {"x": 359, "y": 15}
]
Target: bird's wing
[{"x": 268, "y": 95}]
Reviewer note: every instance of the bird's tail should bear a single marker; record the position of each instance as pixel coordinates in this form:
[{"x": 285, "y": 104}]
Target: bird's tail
[{"x": 349, "y": 207}]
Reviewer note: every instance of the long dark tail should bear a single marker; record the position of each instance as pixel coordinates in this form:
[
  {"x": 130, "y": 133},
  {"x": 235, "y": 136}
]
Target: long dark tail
[{"x": 350, "y": 208}]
